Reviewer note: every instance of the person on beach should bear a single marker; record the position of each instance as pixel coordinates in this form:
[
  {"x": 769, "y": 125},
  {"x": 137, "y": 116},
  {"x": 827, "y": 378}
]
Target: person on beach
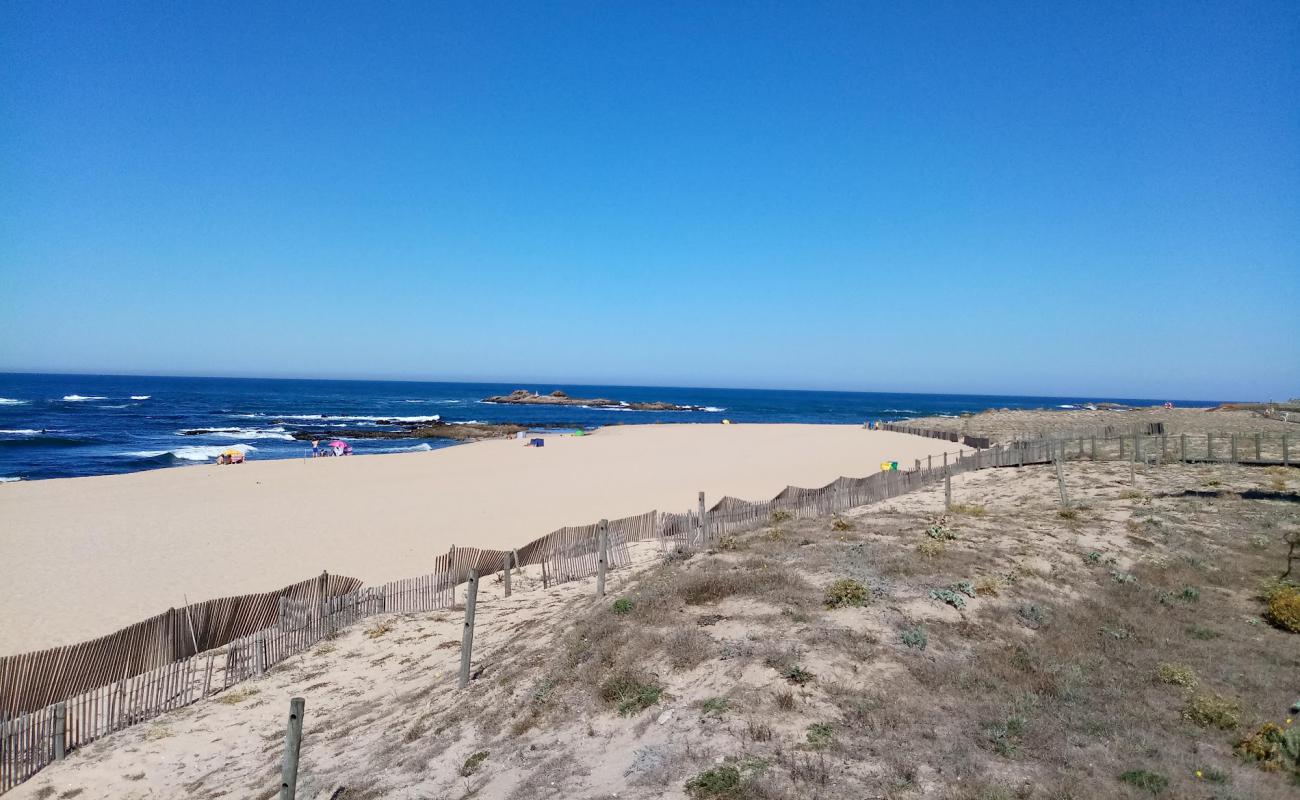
[{"x": 315, "y": 448}]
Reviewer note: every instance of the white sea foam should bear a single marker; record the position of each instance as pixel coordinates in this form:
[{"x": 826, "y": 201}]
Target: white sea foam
[
  {"x": 9, "y": 401},
  {"x": 357, "y": 418},
  {"x": 9, "y": 480},
  {"x": 141, "y": 396},
  {"x": 901, "y": 411},
  {"x": 247, "y": 433},
  {"x": 19, "y": 432},
  {"x": 81, "y": 398},
  {"x": 124, "y": 405},
  {"x": 714, "y": 409},
  {"x": 200, "y": 453},
  {"x": 468, "y": 422},
  {"x": 415, "y": 448},
  {"x": 1066, "y": 405}
]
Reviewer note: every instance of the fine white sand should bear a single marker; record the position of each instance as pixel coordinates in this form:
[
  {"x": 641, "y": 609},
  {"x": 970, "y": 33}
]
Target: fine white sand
[{"x": 81, "y": 557}]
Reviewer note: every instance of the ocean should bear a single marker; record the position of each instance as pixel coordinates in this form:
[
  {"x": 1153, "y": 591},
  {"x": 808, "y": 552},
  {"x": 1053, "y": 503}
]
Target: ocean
[{"x": 60, "y": 426}]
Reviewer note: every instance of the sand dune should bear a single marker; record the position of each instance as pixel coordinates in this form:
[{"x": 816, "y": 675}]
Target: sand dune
[{"x": 80, "y": 557}]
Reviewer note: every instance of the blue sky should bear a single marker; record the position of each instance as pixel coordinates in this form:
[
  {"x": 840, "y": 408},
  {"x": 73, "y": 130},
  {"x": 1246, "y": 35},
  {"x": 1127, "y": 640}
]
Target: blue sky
[{"x": 1041, "y": 198}]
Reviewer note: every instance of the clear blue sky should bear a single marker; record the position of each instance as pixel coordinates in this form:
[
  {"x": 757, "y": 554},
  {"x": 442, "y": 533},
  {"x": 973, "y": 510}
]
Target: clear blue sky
[{"x": 1043, "y": 198}]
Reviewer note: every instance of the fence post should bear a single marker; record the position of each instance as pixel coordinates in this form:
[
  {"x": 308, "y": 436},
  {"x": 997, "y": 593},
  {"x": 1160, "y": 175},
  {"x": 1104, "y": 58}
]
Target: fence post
[
  {"x": 506, "y": 573},
  {"x": 1209, "y": 447},
  {"x": 1286, "y": 452},
  {"x": 945, "y": 462},
  {"x": 467, "y": 640},
  {"x": 1137, "y": 447},
  {"x": 1182, "y": 447},
  {"x": 1258, "y": 457},
  {"x": 1164, "y": 448},
  {"x": 602, "y": 557},
  {"x": 704, "y": 523},
  {"x": 929, "y": 462},
  {"x": 1060, "y": 482},
  {"x": 292, "y": 745},
  {"x": 1122, "y": 455},
  {"x": 1094, "y": 448},
  {"x": 947, "y": 491},
  {"x": 60, "y": 731},
  {"x": 1233, "y": 448}
]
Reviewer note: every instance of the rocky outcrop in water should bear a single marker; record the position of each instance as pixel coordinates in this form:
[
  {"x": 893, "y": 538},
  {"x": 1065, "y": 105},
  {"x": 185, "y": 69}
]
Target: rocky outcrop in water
[
  {"x": 440, "y": 430},
  {"x": 523, "y": 397}
]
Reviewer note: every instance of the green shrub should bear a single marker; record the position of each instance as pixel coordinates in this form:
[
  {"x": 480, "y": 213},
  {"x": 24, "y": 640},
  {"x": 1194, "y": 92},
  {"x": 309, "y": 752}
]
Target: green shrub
[
  {"x": 916, "y": 637},
  {"x": 715, "y": 705},
  {"x": 796, "y": 674},
  {"x": 721, "y": 781},
  {"x": 781, "y": 516},
  {"x": 820, "y": 734},
  {"x": 841, "y": 524},
  {"x": 472, "y": 763},
  {"x": 1210, "y": 709},
  {"x": 1123, "y": 577},
  {"x": 948, "y": 596},
  {"x": 623, "y": 606},
  {"x": 630, "y": 692},
  {"x": 1152, "y": 782},
  {"x": 846, "y": 592},
  {"x": 1092, "y": 558},
  {"x": 940, "y": 533}
]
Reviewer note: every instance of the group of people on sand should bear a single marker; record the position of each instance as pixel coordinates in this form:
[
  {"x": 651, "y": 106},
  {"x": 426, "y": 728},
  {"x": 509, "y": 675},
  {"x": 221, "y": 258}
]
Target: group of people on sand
[{"x": 334, "y": 448}]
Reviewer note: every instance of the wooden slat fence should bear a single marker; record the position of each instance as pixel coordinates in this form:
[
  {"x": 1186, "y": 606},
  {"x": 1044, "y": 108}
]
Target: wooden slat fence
[{"x": 175, "y": 659}]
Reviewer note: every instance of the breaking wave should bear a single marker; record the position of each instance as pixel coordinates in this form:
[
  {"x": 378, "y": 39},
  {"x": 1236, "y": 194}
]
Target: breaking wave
[
  {"x": 81, "y": 398},
  {"x": 9, "y": 401},
  {"x": 198, "y": 453}
]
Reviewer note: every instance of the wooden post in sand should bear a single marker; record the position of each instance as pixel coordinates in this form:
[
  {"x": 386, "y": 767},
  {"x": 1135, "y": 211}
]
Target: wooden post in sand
[
  {"x": 292, "y": 746},
  {"x": 505, "y": 573},
  {"x": 60, "y": 732},
  {"x": 1257, "y": 453},
  {"x": 451, "y": 573},
  {"x": 602, "y": 555},
  {"x": 1233, "y": 448},
  {"x": 1094, "y": 448},
  {"x": 929, "y": 462},
  {"x": 947, "y": 491},
  {"x": 704, "y": 523},
  {"x": 1182, "y": 447},
  {"x": 1060, "y": 482},
  {"x": 467, "y": 639},
  {"x": 1209, "y": 447},
  {"x": 1286, "y": 452}
]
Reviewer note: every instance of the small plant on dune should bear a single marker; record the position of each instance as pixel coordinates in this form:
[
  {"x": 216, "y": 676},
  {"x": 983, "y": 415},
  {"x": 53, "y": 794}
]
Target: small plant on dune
[
  {"x": 472, "y": 763},
  {"x": 1068, "y": 513},
  {"x": 630, "y": 692},
  {"x": 1131, "y": 494},
  {"x": 820, "y": 734},
  {"x": 797, "y": 675},
  {"x": 715, "y": 705},
  {"x": 916, "y": 638},
  {"x": 1176, "y": 674},
  {"x": 965, "y": 587},
  {"x": 1120, "y": 576},
  {"x": 1033, "y": 616},
  {"x": 967, "y": 509},
  {"x": 930, "y": 548},
  {"x": 780, "y": 516},
  {"x": 1274, "y": 747},
  {"x": 1092, "y": 558},
  {"x": 948, "y": 596},
  {"x": 1284, "y": 609},
  {"x": 723, "y": 781},
  {"x": 989, "y": 586},
  {"x": 623, "y": 606},
  {"x": 1153, "y": 782},
  {"x": 1204, "y": 634},
  {"x": 1209, "y": 709},
  {"x": 846, "y": 593},
  {"x": 785, "y": 700},
  {"x": 236, "y": 696},
  {"x": 380, "y": 628},
  {"x": 842, "y": 524}
]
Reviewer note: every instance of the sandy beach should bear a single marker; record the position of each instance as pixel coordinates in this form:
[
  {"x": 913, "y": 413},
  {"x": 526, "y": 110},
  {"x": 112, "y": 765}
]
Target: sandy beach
[{"x": 81, "y": 557}]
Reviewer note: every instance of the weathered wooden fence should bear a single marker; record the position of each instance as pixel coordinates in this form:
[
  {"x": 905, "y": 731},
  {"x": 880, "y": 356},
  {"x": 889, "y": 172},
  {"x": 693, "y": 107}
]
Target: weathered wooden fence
[{"x": 57, "y": 700}]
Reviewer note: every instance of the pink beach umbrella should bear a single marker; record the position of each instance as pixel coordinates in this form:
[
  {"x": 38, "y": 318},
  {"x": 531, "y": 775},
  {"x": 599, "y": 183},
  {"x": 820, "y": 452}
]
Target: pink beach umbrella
[{"x": 338, "y": 444}]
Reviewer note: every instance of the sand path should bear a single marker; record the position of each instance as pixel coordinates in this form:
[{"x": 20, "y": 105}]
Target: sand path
[{"x": 81, "y": 557}]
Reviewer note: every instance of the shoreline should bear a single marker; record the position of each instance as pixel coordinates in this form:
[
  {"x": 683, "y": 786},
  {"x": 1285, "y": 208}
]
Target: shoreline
[{"x": 115, "y": 549}]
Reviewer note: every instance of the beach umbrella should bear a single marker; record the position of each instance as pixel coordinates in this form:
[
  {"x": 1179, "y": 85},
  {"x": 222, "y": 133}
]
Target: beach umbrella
[
  {"x": 339, "y": 443},
  {"x": 232, "y": 452}
]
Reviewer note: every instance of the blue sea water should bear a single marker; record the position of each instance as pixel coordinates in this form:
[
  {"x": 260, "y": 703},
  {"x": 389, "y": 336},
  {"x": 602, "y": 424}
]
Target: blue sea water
[{"x": 54, "y": 426}]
